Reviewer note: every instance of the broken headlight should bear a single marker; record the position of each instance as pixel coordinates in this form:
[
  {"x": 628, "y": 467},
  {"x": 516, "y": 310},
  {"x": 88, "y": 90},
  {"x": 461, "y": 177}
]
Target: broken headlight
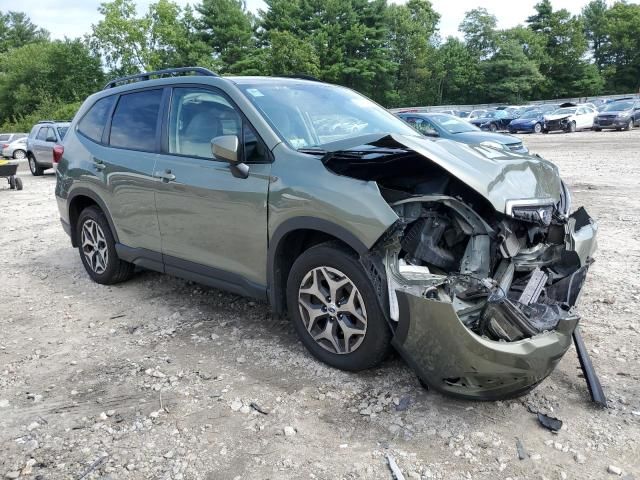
[
  {"x": 490, "y": 143},
  {"x": 540, "y": 214}
]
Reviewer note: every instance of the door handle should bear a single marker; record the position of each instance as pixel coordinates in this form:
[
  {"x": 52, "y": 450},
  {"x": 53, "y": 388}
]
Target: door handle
[
  {"x": 98, "y": 164},
  {"x": 165, "y": 176}
]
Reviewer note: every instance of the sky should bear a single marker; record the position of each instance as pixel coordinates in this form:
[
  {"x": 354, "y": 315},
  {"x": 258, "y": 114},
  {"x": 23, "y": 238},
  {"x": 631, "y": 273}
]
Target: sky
[{"x": 73, "y": 18}]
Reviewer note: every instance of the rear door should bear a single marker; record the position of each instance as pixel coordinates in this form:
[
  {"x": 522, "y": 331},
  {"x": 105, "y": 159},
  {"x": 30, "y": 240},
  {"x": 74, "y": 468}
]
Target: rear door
[
  {"x": 212, "y": 223},
  {"x": 124, "y": 162}
]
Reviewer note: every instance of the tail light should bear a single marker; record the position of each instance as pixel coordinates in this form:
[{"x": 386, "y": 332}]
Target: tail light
[
  {"x": 58, "y": 150},
  {"x": 5, "y": 145}
]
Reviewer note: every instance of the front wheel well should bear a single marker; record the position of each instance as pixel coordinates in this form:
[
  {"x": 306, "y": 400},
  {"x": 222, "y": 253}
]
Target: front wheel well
[{"x": 288, "y": 249}]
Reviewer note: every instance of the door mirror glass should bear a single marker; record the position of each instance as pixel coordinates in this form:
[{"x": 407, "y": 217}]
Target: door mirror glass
[{"x": 226, "y": 147}]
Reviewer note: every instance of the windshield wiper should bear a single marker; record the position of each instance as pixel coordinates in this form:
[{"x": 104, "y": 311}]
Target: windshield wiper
[{"x": 312, "y": 150}]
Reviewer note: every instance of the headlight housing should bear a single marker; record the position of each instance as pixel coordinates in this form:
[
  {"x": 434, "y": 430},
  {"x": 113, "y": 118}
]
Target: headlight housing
[
  {"x": 624, "y": 114},
  {"x": 540, "y": 214}
]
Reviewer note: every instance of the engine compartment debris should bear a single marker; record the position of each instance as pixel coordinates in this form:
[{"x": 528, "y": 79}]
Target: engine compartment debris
[{"x": 494, "y": 279}]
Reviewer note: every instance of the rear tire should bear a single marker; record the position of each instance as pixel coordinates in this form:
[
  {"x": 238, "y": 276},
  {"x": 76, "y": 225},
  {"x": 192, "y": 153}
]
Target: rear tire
[
  {"x": 537, "y": 128},
  {"x": 312, "y": 272},
  {"x": 97, "y": 249},
  {"x": 19, "y": 154},
  {"x": 36, "y": 170}
]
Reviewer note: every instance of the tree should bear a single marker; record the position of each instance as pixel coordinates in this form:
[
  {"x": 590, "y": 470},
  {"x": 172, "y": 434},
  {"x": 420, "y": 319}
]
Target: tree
[
  {"x": 411, "y": 30},
  {"x": 594, "y": 16},
  {"x": 16, "y": 30},
  {"x": 567, "y": 73},
  {"x": 228, "y": 29},
  {"x": 165, "y": 36},
  {"x": 460, "y": 79},
  {"x": 621, "y": 51},
  {"x": 288, "y": 55},
  {"x": 37, "y": 73},
  {"x": 479, "y": 28}
]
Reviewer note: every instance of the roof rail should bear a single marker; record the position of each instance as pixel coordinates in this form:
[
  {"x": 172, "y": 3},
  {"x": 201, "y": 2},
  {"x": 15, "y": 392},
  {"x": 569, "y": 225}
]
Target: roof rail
[
  {"x": 303, "y": 76},
  {"x": 140, "y": 77}
]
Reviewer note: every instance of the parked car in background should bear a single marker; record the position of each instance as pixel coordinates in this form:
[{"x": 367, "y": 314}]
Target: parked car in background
[
  {"x": 6, "y": 138},
  {"x": 44, "y": 145},
  {"x": 548, "y": 107},
  {"x": 442, "y": 125},
  {"x": 473, "y": 114},
  {"x": 530, "y": 121},
  {"x": 493, "y": 120},
  {"x": 621, "y": 115},
  {"x": 16, "y": 149},
  {"x": 366, "y": 238},
  {"x": 569, "y": 119}
]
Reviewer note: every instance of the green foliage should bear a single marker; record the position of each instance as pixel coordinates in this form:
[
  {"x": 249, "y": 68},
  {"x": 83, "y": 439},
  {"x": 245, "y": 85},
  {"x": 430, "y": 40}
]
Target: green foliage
[
  {"x": 16, "y": 30},
  {"x": 389, "y": 51},
  {"x": 48, "y": 109},
  {"x": 60, "y": 71},
  {"x": 166, "y": 36}
]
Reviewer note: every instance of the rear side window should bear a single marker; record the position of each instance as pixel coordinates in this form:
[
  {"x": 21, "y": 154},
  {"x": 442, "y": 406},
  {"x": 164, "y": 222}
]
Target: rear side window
[
  {"x": 42, "y": 134},
  {"x": 4, "y": 138},
  {"x": 93, "y": 123},
  {"x": 135, "y": 119}
]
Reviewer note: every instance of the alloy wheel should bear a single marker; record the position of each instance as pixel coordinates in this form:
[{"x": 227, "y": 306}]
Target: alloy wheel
[
  {"x": 19, "y": 154},
  {"x": 94, "y": 246},
  {"x": 332, "y": 310}
]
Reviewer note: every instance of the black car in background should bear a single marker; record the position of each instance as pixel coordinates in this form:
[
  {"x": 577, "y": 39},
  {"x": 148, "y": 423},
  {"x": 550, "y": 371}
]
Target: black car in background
[
  {"x": 494, "y": 120},
  {"x": 621, "y": 115}
]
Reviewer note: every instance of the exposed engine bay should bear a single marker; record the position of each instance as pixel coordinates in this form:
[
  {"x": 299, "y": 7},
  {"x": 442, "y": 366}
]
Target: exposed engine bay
[{"x": 508, "y": 276}]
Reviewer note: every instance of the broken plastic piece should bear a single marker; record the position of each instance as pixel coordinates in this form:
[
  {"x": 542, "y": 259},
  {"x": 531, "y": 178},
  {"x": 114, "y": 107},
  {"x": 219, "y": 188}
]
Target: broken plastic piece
[
  {"x": 395, "y": 470},
  {"x": 534, "y": 287},
  {"x": 549, "y": 423}
]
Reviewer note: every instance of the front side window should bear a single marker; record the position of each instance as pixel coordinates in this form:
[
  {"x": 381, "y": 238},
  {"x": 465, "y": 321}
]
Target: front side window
[
  {"x": 135, "y": 119},
  {"x": 196, "y": 117},
  {"x": 453, "y": 124},
  {"x": 93, "y": 123}
]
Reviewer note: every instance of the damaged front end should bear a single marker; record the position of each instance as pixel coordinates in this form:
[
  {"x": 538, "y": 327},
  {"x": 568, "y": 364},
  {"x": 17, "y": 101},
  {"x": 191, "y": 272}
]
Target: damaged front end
[{"x": 480, "y": 300}]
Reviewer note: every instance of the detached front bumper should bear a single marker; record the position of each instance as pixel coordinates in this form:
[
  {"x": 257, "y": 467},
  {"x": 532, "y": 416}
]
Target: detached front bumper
[{"x": 451, "y": 358}]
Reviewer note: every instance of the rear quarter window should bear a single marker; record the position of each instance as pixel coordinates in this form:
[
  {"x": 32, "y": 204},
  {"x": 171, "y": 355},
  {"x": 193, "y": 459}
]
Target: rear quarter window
[
  {"x": 4, "y": 138},
  {"x": 135, "y": 119},
  {"x": 93, "y": 122}
]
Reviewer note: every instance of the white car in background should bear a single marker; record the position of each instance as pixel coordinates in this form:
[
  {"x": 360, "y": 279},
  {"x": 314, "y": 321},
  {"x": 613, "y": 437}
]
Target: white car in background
[
  {"x": 569, "y": 118},
  {"x": 16, "y": 149}
]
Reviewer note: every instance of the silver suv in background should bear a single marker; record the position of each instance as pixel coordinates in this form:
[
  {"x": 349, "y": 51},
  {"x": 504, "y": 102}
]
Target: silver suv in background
[{"x": 44, "y": 145}]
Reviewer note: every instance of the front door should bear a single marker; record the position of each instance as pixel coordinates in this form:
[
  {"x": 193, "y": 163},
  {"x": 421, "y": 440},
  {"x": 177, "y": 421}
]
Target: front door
[{"x": 211, "y": 222}]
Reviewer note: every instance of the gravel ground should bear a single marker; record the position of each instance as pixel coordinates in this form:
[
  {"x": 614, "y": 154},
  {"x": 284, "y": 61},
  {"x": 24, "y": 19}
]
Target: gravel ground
[{"x": 161, "y": 378}]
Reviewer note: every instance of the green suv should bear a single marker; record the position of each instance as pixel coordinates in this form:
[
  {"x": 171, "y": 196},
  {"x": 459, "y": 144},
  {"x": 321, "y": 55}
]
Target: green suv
[{"x": 465, "y": 258}]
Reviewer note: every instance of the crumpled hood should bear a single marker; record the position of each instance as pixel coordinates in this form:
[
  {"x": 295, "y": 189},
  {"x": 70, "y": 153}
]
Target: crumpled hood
[
  {"x": 498, "y": 175},
  {"x": 558, "y": 117}
]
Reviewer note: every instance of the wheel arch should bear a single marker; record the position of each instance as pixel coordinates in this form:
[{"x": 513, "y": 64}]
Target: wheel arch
[
  {"x": 293, "y": 237},
  {"x": 80, "y": 199}
]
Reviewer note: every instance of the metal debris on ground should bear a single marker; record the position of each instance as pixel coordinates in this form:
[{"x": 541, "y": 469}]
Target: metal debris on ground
[
  {"x": 258, "y": 408},
  {"x": 522, "y": 453},
  {"x": 549, "y": 423},
  {"x": 403, "y": 404},
  {"x": 393, "y": 466}
]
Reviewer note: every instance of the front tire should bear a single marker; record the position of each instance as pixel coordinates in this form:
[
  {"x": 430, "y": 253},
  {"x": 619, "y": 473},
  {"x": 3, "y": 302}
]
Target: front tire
[
  {"x": 36, "y": 169},
  {"x": 335, "y": 310},
  {"x": 97, "y": 249},
  {"x": 493, "y": 127},
  {"x": 537, "y": 128},
  {"x": 629, "y": 125},
  {"x": 572, "y": 127}
]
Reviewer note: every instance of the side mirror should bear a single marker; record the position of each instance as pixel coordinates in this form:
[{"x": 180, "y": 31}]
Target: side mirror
[
  {"x": 227, "y": 148},
  {"x": 431, "y": 133}
]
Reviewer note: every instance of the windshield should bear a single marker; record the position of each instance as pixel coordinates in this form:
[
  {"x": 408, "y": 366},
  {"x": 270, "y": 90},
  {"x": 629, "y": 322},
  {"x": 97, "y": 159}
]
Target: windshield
[
  {"x": 617, "y": 106},
  {"x": 565, "y": 111},
  {"x": 62, "y": 131},
  {"x": 496, "y": 114},
  {"x": 313, "y": 114},
  {"x": 452, "y": 124},
  {"x": 531, "y": 114}
]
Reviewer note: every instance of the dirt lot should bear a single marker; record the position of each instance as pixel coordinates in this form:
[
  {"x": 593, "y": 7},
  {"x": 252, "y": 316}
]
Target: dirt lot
[{"x": 160, "y": 378}]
